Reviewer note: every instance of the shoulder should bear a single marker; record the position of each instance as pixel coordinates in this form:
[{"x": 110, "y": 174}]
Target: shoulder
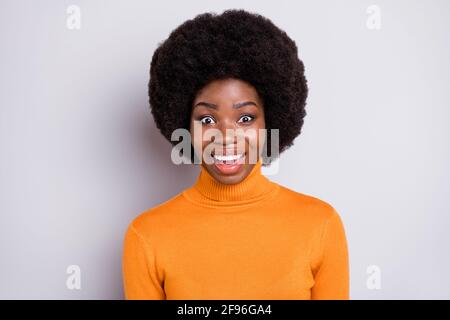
[
  {"x": 315, "y": 217},
  {"x": 159, "y": 217},
  {"x": 307, "y": 206}
]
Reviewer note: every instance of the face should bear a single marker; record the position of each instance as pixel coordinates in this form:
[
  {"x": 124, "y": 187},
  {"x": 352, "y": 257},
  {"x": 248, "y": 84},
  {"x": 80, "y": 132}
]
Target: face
[{"x": 234, "y": 105}]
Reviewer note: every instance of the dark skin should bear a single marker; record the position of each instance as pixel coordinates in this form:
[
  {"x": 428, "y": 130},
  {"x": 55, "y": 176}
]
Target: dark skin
[{"x": 229, "y": 104}]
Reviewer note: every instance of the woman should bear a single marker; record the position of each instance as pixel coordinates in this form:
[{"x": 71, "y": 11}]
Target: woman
[{"x": 234, "y": 234}]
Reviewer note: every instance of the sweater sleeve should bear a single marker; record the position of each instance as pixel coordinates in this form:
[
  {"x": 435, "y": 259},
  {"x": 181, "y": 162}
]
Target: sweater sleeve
[
  {"x": 139, "y": 272},
  {"x": 332, "y": 273}
]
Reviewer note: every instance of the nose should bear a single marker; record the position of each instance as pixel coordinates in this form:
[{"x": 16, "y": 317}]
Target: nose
[
  {"x": 229, "y": 134},
  {"x": 231, "y": 139}
]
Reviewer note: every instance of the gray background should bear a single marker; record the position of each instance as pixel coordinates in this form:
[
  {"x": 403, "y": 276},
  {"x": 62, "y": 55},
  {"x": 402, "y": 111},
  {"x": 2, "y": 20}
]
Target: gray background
[{"x": 81, "y": 157}]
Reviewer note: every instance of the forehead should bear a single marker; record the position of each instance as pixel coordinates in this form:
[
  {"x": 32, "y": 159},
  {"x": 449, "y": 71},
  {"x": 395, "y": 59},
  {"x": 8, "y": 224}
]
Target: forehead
[{"x": 227, "y": 89}]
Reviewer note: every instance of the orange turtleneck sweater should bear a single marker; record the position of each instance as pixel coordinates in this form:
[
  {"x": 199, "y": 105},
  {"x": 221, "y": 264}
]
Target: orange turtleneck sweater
[{"x": 252, "y": 240}]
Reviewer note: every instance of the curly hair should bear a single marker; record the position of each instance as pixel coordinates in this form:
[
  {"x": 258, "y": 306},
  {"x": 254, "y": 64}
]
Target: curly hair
[{"x": 235, "y": 44}]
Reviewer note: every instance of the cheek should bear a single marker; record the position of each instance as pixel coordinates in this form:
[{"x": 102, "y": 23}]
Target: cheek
[
  {"x": 261, "y": 123},
  {"x": 252, "y": 138},
  {"x": 257, "y": 143},
  {"x": 199, "y": 142}
]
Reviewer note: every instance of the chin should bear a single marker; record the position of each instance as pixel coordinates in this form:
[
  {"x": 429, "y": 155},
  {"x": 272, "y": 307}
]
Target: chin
[{"x": 228, "y": 178}]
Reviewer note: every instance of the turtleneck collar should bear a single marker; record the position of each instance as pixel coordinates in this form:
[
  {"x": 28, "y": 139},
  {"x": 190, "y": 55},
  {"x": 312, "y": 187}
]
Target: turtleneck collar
[{"x": 253, "y": 188}]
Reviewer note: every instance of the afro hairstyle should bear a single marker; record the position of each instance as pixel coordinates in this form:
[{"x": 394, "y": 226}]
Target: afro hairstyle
[{"x": 235, "y": 44}]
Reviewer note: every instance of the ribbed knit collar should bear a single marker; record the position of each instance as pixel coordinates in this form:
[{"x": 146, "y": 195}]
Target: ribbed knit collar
[{"x": 255, "y": 187}]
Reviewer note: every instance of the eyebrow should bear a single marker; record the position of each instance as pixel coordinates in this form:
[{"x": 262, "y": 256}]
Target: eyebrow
[{"x": 235, "y": 106}]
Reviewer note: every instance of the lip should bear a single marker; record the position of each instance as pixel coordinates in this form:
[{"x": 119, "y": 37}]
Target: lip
[
  {"x": 230, "y": 169},
  {"x": 240, "y": 156},
  {"x": 228, "y": 152}
]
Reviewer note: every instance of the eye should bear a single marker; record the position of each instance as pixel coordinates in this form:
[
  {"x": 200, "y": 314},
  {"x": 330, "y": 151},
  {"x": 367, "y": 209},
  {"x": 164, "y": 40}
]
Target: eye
[
  {"x": 248, "y": 117},
  {"x": 206, "y": 117}
]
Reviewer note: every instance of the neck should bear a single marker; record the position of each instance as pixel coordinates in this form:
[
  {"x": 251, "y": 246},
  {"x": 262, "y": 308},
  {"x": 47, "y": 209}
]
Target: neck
[{"x": 253, "y": 188}]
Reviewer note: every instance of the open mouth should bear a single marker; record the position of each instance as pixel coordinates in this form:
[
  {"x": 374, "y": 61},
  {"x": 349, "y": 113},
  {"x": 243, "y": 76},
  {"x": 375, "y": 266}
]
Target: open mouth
[
  {"x": 228, "y": 164},
  {"x": 228, "y": 159}
]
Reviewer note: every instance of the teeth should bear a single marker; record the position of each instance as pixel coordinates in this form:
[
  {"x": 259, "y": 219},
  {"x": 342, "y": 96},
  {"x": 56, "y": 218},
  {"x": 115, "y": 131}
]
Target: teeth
[{"x": 228, "y": 158}]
